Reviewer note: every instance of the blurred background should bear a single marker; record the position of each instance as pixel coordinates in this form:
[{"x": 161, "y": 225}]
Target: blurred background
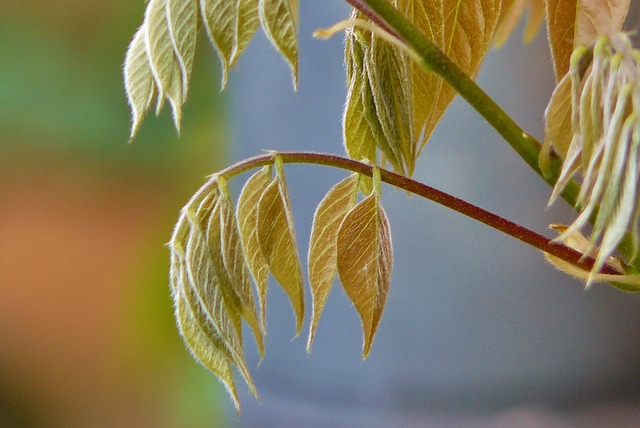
[{"x": 478, "y": 329}]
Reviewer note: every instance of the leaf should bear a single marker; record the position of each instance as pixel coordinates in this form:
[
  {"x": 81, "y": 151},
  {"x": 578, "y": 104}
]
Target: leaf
[
  {"x": 220, "y": 19},
  {"x": 573, "y": 23},
  {"x": 182, "y": 19},
  {"x": 247, "y": 23},
  {"x": 276, "y": 236},
  {"x": 236, "y": 271},
  {"x": 247, "y": 214},
  {"x": 323, "y": 244},
  {"x": 512, "y": 11},
  {"x": 138, "y": 80},
  {"x": 203, "y": 318},
  {"x": 558, "y": 129},
  {"x": 407, "y": 95},
  {"x": 210, "y": 357},
  {"x": 463, "y": 29},
  {"x": 165, "y": 65},
  {"x": 364, "y": 258},
  {"x": 392, "y": 97},
  {"x": 279, "y": 20}
]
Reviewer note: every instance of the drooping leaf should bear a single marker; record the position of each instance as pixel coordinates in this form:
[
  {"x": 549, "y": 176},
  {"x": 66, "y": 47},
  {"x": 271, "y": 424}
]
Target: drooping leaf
[
  {"x": 364, "y": 258},
  {"x": 182, "y": 21},
  {"x": 276, "y": 236},
  {"x": 464, "y": 31},
  {"x": 220, "y": 18},
  {"x": 512, "y": 11},
  {"x": 322, "y": 258},
  {"x": 138, "y": 80},
  {"x": 280, "y": 22},
  {"x": 247, "y": 214},
  {"x": 573, "y": 23},
  {"x": 163, "y": 60},
  {"x": 202, "y": 351},
  {"x": 205, "y": 320},
  {"x": 247, "y": 23},
  {"x": 236, "y": 271}
]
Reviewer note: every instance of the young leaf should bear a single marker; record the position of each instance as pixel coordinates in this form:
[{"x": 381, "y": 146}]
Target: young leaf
[
  {"x": 202, "y": 351},
  {"x": 247, "y": 23},
  {"x": 280, "y": 22},
  {"x": 512, "y": 11},
  {"x": 164, "y": 63},
  {"x": 138, "y": 80},
  {"x": 182, "y": 21},
  {"x": 276, "y": 236},
  {"x": 364, "y": 259},
  {"x": 220, "y": 20},
  {"x": 463, "y": 30},
  {"x": 236, "y": 271},
  {"x": 573, "y": 23},
  {"x": 200, "y": 286},
  {"x": 323, "y": 244},
  {"x": 247, "y": 214},
  {"x": 558, "y": 129}
]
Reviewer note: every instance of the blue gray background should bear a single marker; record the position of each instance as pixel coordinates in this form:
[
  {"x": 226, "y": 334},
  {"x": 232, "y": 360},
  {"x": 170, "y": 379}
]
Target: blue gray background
[{"x": 477, "y": 327}]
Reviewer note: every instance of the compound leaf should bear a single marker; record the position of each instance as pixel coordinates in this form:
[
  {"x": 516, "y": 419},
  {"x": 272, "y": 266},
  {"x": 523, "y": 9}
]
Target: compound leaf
[{"x": 322, "y": 258}]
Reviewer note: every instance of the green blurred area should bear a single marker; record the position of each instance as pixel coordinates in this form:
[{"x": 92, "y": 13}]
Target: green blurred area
[{"x": 87, "y": 336}]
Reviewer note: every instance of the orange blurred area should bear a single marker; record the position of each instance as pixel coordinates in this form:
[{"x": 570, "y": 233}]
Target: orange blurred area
[{"x": 87, "y": 336}]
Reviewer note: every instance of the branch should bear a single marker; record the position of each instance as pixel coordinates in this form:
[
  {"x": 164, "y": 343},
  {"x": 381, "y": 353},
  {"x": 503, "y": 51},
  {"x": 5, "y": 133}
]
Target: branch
[{"x": 402, "y": 182}]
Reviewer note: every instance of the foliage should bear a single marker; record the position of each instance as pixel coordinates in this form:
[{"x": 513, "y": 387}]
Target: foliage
[{"x": 405, "y": 62}]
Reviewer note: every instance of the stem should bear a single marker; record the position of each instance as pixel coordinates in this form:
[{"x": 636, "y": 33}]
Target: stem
[
  {"x": 433, "y": 59},
  {"x": 402, "y": 182}
]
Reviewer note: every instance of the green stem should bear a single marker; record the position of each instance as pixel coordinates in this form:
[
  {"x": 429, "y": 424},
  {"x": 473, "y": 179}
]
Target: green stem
[
  {"x": 405, "y": 183},
  {"x": 432, "y": 58}
]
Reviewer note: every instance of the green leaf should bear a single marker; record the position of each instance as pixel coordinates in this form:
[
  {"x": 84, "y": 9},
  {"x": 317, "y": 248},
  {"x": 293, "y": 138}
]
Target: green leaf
[
  {"x": 182, "y": 20},
  {"x": 573, "y": 23},
  {"x": 201, "y": 350},
  {"x": 247, "y": 23},
  {"x": 205, "y": 319},
  {"x": 165, "y": 66},
  {"x": 362, "y": 131},
  {"x": 280, "y": 22},
  {"x": 558, "y": 129},
  {"x": 365, "y": 258},
  {"x": 220, "y": 19},
  {"x": 138, "y": 80},
  {"x": 230, "y": 257},
  {"x": 276, "y": 236},
  {"x": 247, "y": 215},
  {"x": 322, "y": 258}
]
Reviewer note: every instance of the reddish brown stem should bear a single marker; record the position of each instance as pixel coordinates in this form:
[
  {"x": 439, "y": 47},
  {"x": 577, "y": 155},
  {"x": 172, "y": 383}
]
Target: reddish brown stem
[{"x": 495, "y": 221}]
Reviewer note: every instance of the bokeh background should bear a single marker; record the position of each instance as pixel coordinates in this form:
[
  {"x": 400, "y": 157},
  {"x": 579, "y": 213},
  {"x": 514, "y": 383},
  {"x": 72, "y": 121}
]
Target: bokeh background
[{"x": 478, "y": 329}]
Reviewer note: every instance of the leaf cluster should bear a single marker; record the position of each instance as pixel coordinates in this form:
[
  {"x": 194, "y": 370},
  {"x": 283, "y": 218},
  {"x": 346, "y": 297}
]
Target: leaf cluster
[
  {"x": 160, "y": 57},
  {"x": 216, "y": 249}
]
